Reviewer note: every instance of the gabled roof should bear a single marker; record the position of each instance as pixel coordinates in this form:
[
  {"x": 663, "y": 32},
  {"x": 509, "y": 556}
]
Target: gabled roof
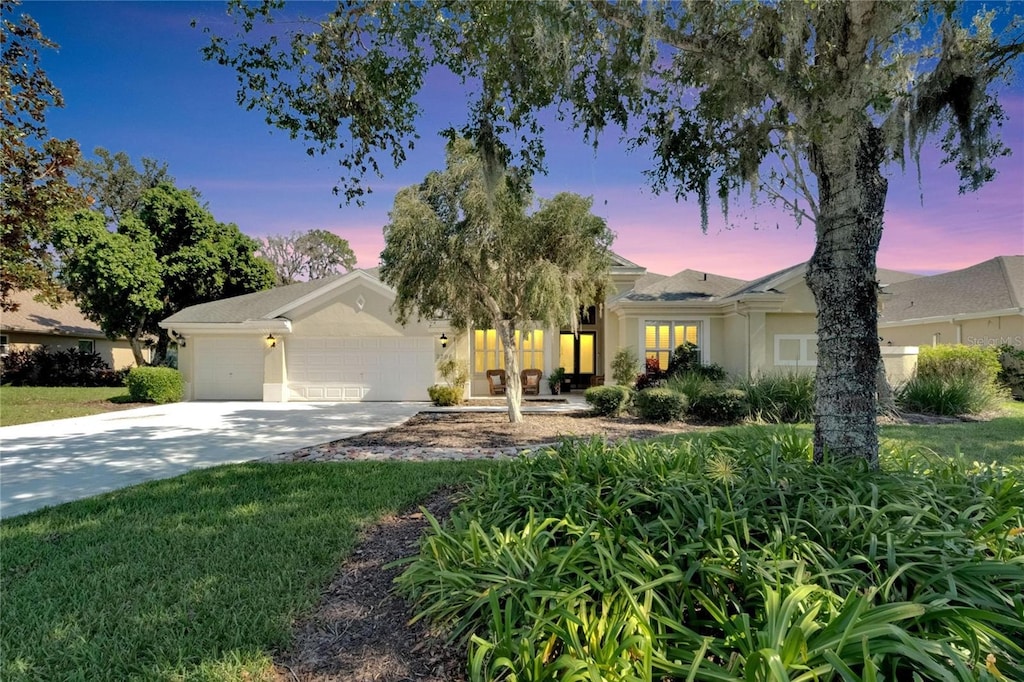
[
  {"x": 265, "y": 305},
  {"x": 688, "y": 285},
  {"x": 39, "y": 318},
  {"x": 993, "y": 285}
]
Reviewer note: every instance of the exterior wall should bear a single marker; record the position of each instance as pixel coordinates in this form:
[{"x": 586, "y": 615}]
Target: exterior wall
[
  {"x": 733, "y": 344},
  {"x": 342, "y": 316},
  {"x": 988, "y": 331},
  {"x": 717, "y": 352},
  {"x": 799, "y": 299},
  {"x": 900, "y": 362},
  {"x": 117, "y": 354},
  {"x": 787, "y": 325}
]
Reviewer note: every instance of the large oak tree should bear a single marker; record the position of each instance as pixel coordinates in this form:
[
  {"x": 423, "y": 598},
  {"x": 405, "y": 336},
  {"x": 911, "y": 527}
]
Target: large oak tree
[
  {"x": 462, "y": 246},
  {"x": 807, "y": 102}
]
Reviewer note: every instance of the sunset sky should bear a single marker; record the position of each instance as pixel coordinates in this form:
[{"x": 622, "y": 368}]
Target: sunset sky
[{"x": 134, "y": 81}]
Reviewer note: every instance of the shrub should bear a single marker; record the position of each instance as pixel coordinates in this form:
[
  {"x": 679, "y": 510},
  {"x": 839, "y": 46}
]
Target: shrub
[
  {"x": 710, "y": 559},
  {"x": 950, "y": 362},
  {"x": 721, "y": 406},
  {"x": 624, "y": 366},
  {"x": 780, "y": 398},
  {"x": 660, "y": 404},
  {"x": 693, "y": 385},
  {"x": 454, "y": 372},
  {"x": 949, "y": 397},
  {"x": 445, "y": 396},
  {"x": 609, "y": 400},
  {"x": 1011, "y": 372},
  {"x": 155, "y": 385},
  {"x": 42, "y": 366}
]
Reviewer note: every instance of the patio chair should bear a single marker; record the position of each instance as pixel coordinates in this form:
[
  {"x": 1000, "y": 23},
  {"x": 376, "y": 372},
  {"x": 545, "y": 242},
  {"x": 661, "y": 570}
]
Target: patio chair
[
  {"x": 531, "y": 381},
  {"x": 597, "y": 380},
  {"x": 496, "y": 381}
]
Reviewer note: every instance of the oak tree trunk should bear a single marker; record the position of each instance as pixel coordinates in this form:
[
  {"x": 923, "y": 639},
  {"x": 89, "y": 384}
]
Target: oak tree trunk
[
  {"x": 842, "y": 276},
  {"x": 513, "y": 383}
]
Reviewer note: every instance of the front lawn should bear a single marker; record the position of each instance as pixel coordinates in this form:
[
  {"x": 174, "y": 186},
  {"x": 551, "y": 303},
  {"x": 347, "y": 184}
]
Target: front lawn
[
  {"x": 201, "y": 576},
  {"x": 26, "y": 404},
  {"x": 194, "y": 578}
]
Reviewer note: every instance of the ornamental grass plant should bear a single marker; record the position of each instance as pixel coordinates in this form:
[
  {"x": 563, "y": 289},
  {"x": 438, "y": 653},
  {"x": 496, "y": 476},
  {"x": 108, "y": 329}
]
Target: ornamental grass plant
[{"x": 731, "y": 557}]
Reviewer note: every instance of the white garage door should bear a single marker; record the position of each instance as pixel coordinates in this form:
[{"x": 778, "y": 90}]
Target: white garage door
[
  {"x": 228, "y": 369},
  {"x": 371, "y": 368}
]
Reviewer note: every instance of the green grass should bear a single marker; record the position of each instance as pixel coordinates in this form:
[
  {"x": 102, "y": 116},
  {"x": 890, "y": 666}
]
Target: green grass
[
  {"x": 27, "y": 404},
  {"x": 192, "y": 578},
  {"x": 999, "y": 440}
]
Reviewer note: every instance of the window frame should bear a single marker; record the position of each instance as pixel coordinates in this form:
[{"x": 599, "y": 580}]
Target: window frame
[
  {"x": 803, "y": 357},
  {"x": 92, "y": 345},
  {"x": 531, "y": 351},
  {"x": 703, "y": 325}
]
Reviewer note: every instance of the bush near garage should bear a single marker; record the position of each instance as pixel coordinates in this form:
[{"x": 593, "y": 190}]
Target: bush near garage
[
  {"x": 660, "y": 404},
  {"x": 444, "y": 395},
  {"x": 609, "y": 401},
  {"x": 45, "y": 367},
  {"x": 155, "y": 385},
  {"x": 953, "y": 380}
]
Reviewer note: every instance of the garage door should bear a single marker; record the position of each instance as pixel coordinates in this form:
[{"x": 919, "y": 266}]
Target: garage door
[
  {"x": 228, "y": 369},
  {"x": 371, "y": 368}
]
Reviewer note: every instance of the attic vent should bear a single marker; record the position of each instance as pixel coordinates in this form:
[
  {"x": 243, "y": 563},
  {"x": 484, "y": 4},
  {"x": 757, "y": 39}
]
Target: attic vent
[
  {"x": 360, "y": 302},
  {"x": 705, "y": 276}
]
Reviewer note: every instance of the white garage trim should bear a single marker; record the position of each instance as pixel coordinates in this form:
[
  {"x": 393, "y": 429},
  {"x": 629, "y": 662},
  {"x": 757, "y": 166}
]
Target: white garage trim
[
  {"x": 228, "y": 368},
  {"x": 361, "y": 368}
]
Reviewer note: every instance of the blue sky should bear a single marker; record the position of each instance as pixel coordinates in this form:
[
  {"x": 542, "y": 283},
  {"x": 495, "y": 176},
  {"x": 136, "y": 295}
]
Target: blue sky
[{"x": 134, "y": 81}]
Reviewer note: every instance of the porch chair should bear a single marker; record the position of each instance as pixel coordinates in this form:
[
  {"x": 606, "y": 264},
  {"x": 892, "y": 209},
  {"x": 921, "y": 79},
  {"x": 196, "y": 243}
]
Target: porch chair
[
  {"x": 496, "y": 381},
  {"x": 531, "y": 381}
]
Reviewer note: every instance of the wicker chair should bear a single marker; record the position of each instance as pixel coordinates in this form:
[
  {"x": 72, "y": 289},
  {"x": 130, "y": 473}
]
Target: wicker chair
[
  {"x": 531, "y": 381},
  {"x": 496, "y": 381}
]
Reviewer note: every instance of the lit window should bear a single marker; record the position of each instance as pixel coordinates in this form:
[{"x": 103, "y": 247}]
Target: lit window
[
  {"x": 663, "y": 337},
  {"x": 796, "y": 350},
  {"x": 488, "y": 352}
]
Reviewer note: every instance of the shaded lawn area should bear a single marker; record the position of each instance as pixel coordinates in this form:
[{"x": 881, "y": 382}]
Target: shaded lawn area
[
  {"x": 27, "y": 404},
  {"x": 193, "y": 578},
  {"x": 998, "y": 440}
]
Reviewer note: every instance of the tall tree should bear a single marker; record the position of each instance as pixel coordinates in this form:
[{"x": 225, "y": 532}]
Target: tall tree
[
  {"x": 115, "y": 278},
  {"x": 180, "y": 250},
  {"x": 806, "y": 102},
  {"x": 115, "y": 186},
  {"x": 461, "y": 245},
  {"x": 34, "y": 186},
  {"x": 313, "y": 254}
]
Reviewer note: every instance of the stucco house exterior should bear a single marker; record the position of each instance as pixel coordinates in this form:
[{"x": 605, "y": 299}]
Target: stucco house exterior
[
  {"x": 336, "y": 338},
  {"x": 981, "y": 305},
  {"x": 36, "y": 324}
]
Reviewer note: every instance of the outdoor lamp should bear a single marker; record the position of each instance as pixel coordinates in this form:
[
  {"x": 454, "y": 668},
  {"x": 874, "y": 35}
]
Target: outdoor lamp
[
  {"x": 271, "y": 341},
  {"x": 444, "y": 340}
]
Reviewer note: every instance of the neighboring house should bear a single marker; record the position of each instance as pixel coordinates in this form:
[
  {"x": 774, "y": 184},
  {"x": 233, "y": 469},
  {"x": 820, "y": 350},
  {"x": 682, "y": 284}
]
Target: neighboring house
[
  {"x": 981, "y": 305},
  {"x": 337, "y": 339},
  {"x": 36, "y": 324}
]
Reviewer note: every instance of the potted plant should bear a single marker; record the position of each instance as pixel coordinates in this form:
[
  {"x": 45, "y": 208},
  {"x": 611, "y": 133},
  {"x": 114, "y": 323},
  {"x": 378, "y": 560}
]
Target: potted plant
[{"x": 555, "y": 380}]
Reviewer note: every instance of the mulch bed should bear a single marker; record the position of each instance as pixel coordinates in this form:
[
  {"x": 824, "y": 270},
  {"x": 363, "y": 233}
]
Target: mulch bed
[{"x": 360, "y": 630}]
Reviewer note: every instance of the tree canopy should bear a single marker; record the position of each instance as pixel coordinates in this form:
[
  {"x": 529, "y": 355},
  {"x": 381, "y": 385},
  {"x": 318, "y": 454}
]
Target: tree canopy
[
  {"x": 462, "y": 246},
  {"x": 34, "y": 167},
  {"x": 804, "y": 102},
  {"x": 114, "y": 185},
  {"x": 312, "y": 254},
  {"x": 169, "y": 255}
]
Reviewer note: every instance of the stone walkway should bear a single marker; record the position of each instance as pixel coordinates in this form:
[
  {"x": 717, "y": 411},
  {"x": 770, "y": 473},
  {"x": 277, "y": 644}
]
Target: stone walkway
[{"x": 336, "y": 452}]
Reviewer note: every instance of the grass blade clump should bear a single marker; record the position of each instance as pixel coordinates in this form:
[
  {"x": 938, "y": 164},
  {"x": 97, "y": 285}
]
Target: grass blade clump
[{"x": 731, "y": 557}]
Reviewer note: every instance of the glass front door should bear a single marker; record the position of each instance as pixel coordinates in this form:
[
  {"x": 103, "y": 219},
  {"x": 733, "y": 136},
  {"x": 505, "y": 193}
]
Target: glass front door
[{"x": 577, "y": 354}]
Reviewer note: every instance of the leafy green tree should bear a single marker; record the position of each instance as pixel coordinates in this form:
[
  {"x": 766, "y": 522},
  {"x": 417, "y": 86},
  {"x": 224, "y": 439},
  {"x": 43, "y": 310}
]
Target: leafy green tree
[
  {"x": 804, "y": 102},
  {"x": 115, "y": 186},
  {"x": 180, "y": 249},
  {"x": 462, "y": 246},
  {"x": 34, "y": 167},
  {"x": 115, "y": 278},
  {"x": 313, "y": 254}
]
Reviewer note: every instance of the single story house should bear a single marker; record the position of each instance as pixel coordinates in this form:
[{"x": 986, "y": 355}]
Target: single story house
[
  {"x": 36, "y": 324},
  {"x": 981, "y": 305},
  {"x": 337, "y": 339}
]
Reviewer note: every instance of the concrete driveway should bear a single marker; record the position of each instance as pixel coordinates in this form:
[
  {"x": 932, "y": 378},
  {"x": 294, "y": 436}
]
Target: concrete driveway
[{"x": 52, "y": 462}]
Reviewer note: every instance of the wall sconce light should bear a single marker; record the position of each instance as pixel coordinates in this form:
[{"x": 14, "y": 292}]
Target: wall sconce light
[
  {"x": 271, "y": 341},
  {"x": 444, "y": 340}
]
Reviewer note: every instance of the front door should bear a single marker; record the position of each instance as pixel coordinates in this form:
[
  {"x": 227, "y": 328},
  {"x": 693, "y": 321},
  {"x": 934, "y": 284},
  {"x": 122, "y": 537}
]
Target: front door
[{"x": 577, "y": 354}]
